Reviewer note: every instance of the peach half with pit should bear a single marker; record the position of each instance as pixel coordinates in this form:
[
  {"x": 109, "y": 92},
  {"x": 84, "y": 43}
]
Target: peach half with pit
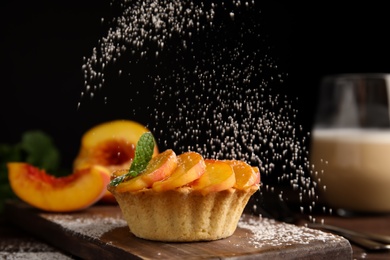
[
  {"x": 111, "y": 145},
  {"x": 73, "y": 192}
]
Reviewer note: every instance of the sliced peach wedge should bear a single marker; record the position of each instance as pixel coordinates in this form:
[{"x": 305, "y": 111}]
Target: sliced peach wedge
[
  {"x": 246, "y": 175},
  {"x": 218, "y": 176},
  {"x": 190, "y": 166},
  {"x": 133, "y": 184},
  {"x": 159, "y": 168},
  {"x": 76, "y": 191},
  {"x": 258, "y": 175}
]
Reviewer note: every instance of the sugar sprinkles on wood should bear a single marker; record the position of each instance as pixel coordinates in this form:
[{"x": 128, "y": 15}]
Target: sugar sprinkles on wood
[
  {"x": 94, "y": 226},
  {"x": 29, "y": 248},
  {"x": 213, "y": 80},
  {"x": 268, "y": 232}
]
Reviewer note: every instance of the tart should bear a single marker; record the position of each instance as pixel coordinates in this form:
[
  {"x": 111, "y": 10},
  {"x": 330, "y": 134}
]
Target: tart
[{"x": 184, "y": 198}]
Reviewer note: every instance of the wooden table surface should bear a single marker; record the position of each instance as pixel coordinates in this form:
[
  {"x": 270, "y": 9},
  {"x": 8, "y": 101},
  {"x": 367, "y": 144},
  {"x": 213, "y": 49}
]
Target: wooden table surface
[{"x": 17, "y": 244}]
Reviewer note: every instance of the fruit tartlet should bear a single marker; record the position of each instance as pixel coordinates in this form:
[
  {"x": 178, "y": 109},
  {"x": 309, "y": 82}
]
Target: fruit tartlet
[{"x": 182, "y": 198}]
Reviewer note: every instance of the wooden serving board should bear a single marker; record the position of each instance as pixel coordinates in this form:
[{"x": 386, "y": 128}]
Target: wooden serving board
[{"x": 100, "y": 232}]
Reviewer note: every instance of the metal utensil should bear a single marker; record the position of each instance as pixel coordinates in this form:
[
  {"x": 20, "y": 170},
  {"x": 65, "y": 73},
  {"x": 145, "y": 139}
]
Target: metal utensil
[{"x": 368, "y": 241}]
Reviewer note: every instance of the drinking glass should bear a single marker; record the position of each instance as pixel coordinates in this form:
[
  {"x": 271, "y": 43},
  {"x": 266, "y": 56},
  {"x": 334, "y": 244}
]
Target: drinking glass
[{"x": 350, "y": 142}]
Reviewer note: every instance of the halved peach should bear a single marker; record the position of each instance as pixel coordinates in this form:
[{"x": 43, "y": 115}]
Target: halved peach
[
  {"x": 76, "y": 191},
  {"x": 190, "y": 167},
  {"x": 112, "y": 145},
  {"x": 218, "y": 176},
  {"x": 160, "y": 167},
  {"x": 245, "y": 174}
]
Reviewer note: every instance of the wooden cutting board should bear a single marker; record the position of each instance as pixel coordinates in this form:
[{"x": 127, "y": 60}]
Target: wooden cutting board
[{"x": 100, "y": 232}]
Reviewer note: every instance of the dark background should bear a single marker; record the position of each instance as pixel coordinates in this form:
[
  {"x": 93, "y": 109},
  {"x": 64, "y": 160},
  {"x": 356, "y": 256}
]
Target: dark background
[{"x": 43, "y": 43}]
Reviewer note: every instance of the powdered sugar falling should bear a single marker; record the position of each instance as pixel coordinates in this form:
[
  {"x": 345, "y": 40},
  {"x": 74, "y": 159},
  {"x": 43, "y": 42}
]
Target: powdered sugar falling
[{"x": 210, "y": 80}]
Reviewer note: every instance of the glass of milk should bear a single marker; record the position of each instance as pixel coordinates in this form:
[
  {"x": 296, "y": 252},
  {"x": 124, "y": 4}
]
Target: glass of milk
[{"x": 350, "y": 143}]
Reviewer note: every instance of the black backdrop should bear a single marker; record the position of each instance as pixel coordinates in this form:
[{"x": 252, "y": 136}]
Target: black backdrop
[{"x": 43, "y": 43}]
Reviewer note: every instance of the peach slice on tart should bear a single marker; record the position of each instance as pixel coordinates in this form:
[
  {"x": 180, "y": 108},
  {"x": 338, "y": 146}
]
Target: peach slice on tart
[
  {"x": 246, "y": 175},
  {"x": 258, "y": 177},
  {"x": 218, "y": 176},
  {"x": 132, "y": 184},
  {"x": 76, "y": 191},
  {"x": 159, "y": 167},
  {"x": 112, "y": 145},
  {"x": 190, "y": 166}
]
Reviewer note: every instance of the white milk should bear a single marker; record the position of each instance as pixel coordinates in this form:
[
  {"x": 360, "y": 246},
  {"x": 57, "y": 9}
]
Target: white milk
[{"x": 356, "y": 168}]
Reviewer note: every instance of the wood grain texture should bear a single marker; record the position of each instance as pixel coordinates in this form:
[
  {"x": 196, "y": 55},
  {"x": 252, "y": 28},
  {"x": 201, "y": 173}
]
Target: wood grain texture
[{"x": 100, "y": 232}]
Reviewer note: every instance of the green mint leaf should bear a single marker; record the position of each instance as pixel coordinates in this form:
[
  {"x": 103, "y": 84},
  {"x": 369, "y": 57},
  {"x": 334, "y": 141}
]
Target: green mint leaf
[
  {"x": 8, "y": 153},
  {"x": 143, "y": 154},
  {"x": 40, "y": 150}
]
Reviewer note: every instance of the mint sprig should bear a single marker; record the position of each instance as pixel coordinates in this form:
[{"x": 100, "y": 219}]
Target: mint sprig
[{"x": 143, "y": 154}]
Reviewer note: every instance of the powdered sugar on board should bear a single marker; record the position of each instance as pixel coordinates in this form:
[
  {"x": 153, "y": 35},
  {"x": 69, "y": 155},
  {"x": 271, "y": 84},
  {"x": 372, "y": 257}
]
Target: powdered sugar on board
[
  {"x": 100, "y": 232},
  {"x": 270, "y": 233},
  {"x": 29, "y": 248},
  {"x": 93, "y": 226},
  {"x": 260, "y": 232},
  {"x": 34, "y": 256}
]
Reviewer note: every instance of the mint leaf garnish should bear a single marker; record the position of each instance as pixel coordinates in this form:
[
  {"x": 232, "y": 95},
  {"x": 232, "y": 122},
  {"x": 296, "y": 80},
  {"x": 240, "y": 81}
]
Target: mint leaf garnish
[
  {"x": 40, "y": 150},
  {"x": 143, "y": 154}
]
